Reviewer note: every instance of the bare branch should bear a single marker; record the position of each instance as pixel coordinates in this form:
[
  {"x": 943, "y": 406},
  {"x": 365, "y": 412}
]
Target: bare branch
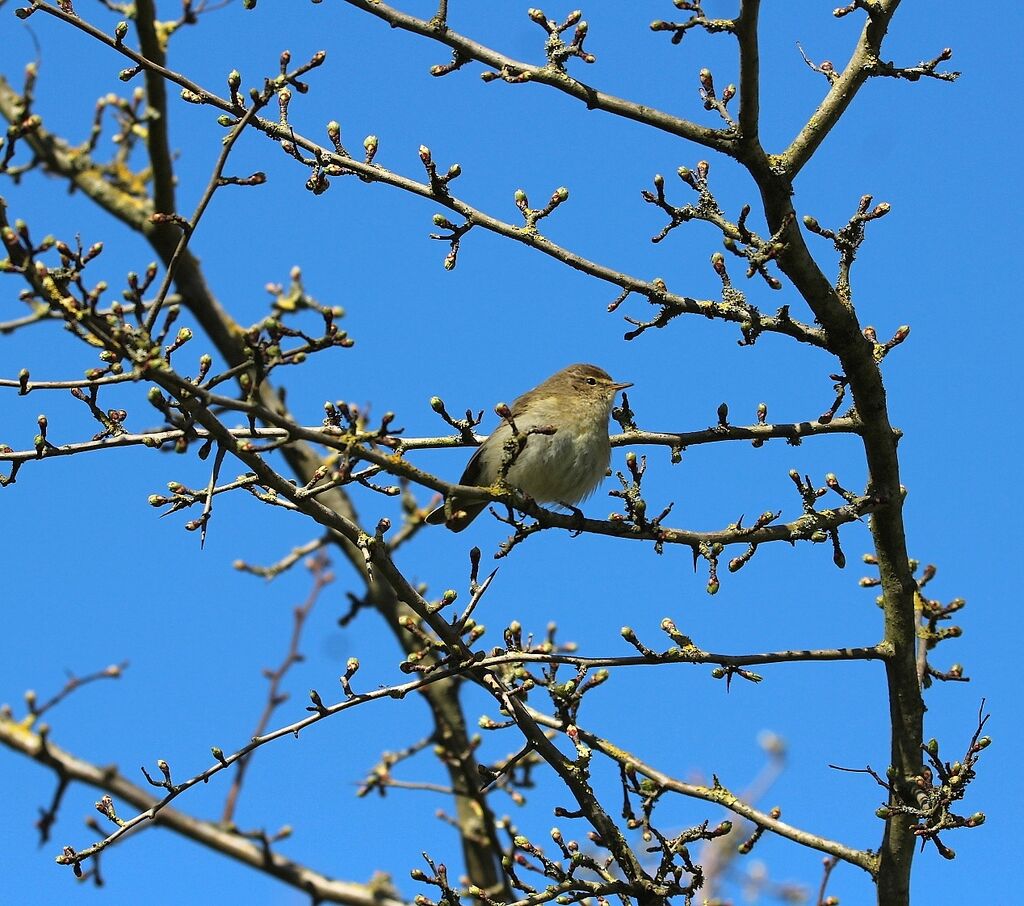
[
  {"x": 864, "y": 62},
  {"x": 468, "y": 49},
  {"x": 16, "y": 736}
]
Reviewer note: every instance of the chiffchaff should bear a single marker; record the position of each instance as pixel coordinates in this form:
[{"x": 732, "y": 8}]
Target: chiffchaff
[{"x": 564, "y": 465}]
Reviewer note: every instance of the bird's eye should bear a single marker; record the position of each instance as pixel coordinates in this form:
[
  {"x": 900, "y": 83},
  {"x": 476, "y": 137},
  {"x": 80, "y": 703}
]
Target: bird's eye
[{"x": 591, "y": 381}]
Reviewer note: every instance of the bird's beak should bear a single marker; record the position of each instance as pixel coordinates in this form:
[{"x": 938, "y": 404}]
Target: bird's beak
[{"x": 622, "y": 386}]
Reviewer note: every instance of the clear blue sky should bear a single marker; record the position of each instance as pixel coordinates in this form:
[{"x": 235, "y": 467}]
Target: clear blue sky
[{"x": 92, "y": 575}]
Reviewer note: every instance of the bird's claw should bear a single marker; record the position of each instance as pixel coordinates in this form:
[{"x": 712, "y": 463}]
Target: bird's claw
[{"x": 577, "y": 515}]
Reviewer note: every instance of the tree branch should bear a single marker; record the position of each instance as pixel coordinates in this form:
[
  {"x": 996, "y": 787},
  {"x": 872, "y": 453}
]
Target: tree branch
[
  {"x": 843, "y": 89},
  {"x": 20, "y": 738},
  {"x": 720, "y": 796},
  {"x": 750, "y": 72},
  {"x": 547, "y": 75},
  {"x": 651, "y": 289},
  {"x": 795, "y": 431}
]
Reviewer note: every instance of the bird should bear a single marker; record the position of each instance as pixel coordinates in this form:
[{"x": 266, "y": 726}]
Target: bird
[{"x": 564, "y": 423}]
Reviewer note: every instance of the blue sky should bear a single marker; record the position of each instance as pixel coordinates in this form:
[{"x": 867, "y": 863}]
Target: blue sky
[{"x": 94, "y": 577}]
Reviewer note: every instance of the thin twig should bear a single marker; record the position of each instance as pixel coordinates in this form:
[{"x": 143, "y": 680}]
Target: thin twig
[
  {"x": 321, "y": 579},
  {"x": 212, "y": 185}
]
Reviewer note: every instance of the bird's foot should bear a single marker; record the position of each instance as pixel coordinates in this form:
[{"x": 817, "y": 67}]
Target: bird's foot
[{"x": 577, "y": 516}]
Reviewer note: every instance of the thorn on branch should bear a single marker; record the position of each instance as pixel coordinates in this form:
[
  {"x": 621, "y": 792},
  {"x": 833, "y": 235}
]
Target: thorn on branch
[
  {"x": 766, "y": 518},
  {"x": 709, "y": 552}
]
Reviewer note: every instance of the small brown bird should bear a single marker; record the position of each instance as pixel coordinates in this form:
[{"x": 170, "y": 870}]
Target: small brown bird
[{"x": 564, "y": 466}]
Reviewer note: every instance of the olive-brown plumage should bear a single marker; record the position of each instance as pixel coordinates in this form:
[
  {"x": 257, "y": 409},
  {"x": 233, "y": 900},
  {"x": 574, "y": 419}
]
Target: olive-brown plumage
[{"x": 563, "y": 467}]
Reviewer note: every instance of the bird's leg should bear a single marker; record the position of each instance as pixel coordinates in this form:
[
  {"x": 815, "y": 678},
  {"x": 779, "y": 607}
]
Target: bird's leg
[{"x": 577, "y": 515}]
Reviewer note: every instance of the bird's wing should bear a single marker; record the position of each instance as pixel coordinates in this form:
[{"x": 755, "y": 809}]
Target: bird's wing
[
  {"x": 471, "y": 475},
  {"x": 475, "y": 467}
]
